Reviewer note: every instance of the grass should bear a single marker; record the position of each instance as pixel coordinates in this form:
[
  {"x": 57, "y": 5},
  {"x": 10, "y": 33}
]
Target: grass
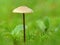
[{"x": 34, "y": 34}]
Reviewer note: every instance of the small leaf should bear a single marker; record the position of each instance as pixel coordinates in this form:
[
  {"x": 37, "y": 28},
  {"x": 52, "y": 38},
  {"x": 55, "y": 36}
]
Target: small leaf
[
  {"x": 57, "y": 28},
  {"x": 47, "y": 22},
  {"x": 17, "y": 29},
  {"x": 41, "y": 25}
]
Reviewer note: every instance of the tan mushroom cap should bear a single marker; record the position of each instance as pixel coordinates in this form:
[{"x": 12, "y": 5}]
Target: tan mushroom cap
[{"x": 22, "y": 9}]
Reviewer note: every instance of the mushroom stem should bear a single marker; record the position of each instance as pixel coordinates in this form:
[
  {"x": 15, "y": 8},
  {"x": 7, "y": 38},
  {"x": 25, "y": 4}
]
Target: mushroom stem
[{"x": 24, "y": 27}]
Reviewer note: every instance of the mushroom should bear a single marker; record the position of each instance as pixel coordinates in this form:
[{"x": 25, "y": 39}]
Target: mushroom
[{"x": 23, "y": 10}]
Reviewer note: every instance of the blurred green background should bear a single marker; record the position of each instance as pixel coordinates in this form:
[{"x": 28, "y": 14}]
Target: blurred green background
[{"x": 35, "y": 34}]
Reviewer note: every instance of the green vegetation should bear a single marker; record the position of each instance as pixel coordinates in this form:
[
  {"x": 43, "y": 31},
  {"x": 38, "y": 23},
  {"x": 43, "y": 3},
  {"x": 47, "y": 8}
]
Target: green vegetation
[{"x": 42, "y": 26}]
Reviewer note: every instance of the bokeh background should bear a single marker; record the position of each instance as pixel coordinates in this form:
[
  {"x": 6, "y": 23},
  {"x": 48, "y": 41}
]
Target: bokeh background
[{"x": 11, "y": 32}]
